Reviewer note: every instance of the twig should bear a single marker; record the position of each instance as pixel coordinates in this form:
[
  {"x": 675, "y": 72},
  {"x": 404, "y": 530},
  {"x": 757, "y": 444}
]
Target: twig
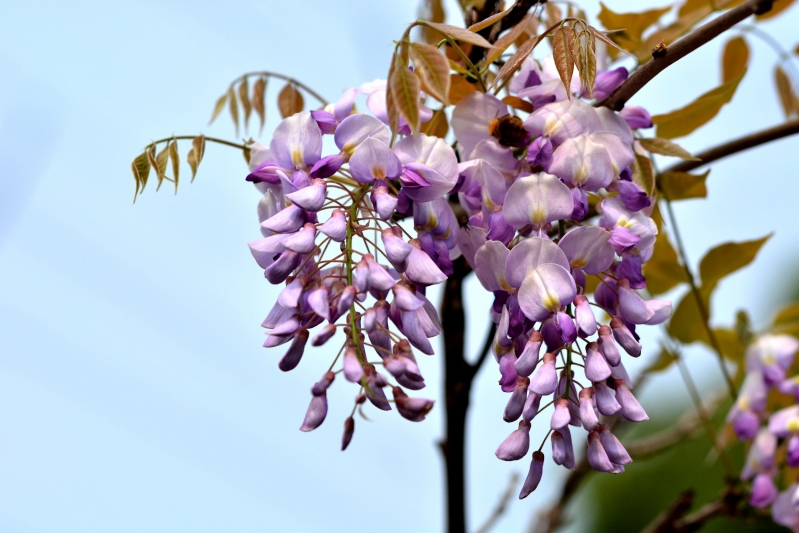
[
  {"x": 682, "y": 48},
  {"x": 486, "y": 349},
  {"x": 289, "y": 79},
  {"x": 664, "y": 522},
  {"x": 502, "y": 504},
  {"x": 738, "y": 145}
]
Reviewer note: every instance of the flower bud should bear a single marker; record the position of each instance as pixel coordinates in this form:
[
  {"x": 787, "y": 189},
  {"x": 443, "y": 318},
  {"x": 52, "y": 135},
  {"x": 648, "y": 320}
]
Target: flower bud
[
  {"x": 596, "y": 368},
  {"x": 413, "y": 409},
  {"x": 295, "y": 351},
  {"x": 630, "y": 408},
  {"x": 587, "y": 413},
  {"x": 528, "y": 360},
  {"x": 349, "y": 429},
  {"x": 625, "y": 337},
  {"x": 545, "y": 380},
  {"x": 515, "y": 446},
  {"x": 518, "y": 398},
  {"x": 533, "y": 475}
]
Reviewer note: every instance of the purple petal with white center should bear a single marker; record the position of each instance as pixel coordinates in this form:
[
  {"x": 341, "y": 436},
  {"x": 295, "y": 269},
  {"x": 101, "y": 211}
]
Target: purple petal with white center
[
  {"x": 785, "y": 421},
  {"x": 421, "y": 269},
  {"x": 529, "y": 255},
  {"x": 302, "y": 241},
  {"x": 471, "y": 118},
  {"x": 533, "y": 475},
  {"x": 545, "y": 290},
  {"x": 617, "y": 217},
  {"x": 588, "y": 248},
  {"x": 597, "y": 456},
  {"x": 596, "y": 367},
  {"x": 583, "y": 162},
  {"x": 295, "y": 351},
  {"x": 297, "y": 142},
  {"x": 430, "y": 152},
  {"x": 311, "y": 198},
  {"x": 605, "y": 400},
  {"x": 374, "y": 160},
  {"x": 615, "y": 123},
  {"x": 516, "y": 445},
  {"x": 563, "y": 120},
  {"x": 538, "y": 200},
  {"x": 336, "y": 226},
  {"x": 355, "y": 129},
  {"x": 288, "y": 220}
]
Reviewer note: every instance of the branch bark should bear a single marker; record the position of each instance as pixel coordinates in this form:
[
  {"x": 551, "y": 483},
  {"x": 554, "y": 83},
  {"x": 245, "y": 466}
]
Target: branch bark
[
  {"x": 738, "y": 145},
  {"x": 682, "y": 48}
]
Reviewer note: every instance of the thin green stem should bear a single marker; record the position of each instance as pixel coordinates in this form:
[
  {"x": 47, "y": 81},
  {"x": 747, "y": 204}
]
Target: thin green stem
[
  {"x": 460, "y": 52},
  {"x": 350, "y": 232}
]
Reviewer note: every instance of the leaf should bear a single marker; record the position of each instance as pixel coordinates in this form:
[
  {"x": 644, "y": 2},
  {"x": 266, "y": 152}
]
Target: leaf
[
  {"x": 161, "y": 161},
  {"x": 730, "y": 344},
  {"x": 777, "y": 7},
  {"x": 663, "y": 361},
  {"x": 459, "y": 88},
  {"x": 663, "y": 271},
  {"x": 485, "y": 23},
  {"x": 507, "y": 39},
  {"x": 686, "y": 324},
  {"x": 433, "y": 69},
  {"x": 218, "y": 107},
  {"x": 460, "y": 34},
  {"x": 244, "y": 96},
  {"x": 516, "y": 59},
  {"x": 234, "y": 108},
  {"x": 787, "y": 320},
  {"x": 563, "y": 54},
  {"x": 141, "y": 170},
  {"x": 554, "y": 14},
  {"x": 633, "y": 24},
  {"x": 432, "y": 11},
  {"x": 289, "y": 101},
  {"x": 682, "y": 185},
  {"x": 725, "y": 259},
  {"x": 196, "y": 154},
  {"x": 517, "y": 103},
  {"x": 175, "y": 158},
  {"x": 605, "y": 39},
  {"x": 683, "y": 121},
  {"x": 785, "y": 92},
  {"x": 437, "y": 125},
  {"x": 404, "y": 88},
  {"x": 666, "y": 147},
  {"x": 644, "y": 174},
  {"x": 586, "y": 61},
  {"x": 258, "y": 97},
  {"x": 735, "y": 59}
]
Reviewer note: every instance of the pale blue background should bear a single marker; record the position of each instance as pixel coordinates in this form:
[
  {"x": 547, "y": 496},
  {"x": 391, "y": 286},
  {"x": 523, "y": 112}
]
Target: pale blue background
[{"x": 134, "y": 392}]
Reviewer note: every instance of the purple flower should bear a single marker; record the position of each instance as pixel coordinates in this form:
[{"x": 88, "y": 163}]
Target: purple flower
[
  {"x": 588, "y": 248},
  {"x": 471, "y": 118},
  {"x": 636, "y": 117},
  {"x": 591, "y": 161},
  {"x": 516, "y": 445},
  {"x": 413, "y": 409},
  {"x": 533, "y": 475},
  {"x": 537, "y": 200},
  {"x": 608, "y": 81}
]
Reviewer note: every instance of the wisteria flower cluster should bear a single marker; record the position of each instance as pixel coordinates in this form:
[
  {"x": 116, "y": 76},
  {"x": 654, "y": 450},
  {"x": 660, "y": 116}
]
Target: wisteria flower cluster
[
  {"x": 549, "y": 209},
  {"x": 768, "y": 360}
]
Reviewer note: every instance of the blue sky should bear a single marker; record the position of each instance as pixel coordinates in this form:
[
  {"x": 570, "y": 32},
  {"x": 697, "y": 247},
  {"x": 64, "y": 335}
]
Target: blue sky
[{"x": 134, "y": 392}]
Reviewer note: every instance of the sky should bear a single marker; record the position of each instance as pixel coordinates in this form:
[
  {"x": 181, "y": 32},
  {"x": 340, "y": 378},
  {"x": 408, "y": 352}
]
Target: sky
[{"x": 134, "y": 391}]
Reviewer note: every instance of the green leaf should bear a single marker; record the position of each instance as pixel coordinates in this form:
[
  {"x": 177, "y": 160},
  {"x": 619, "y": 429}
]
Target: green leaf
[
  {"x": 175, "y": 158},
  {"x": 735, "y": 59},
  {"x": 683, "y": 121},
  {"x": 433, "y": 69},
  {"x": 141, "y": 170},
  {"x": 663, "y": 271},
  {"x": 404, "y": 88},
  {"x": 663, "y": 361},
  {"x": 725, "y": 259},
  {"x": 666, "y": 147},
  {"x": 218, "y": 107},
  {"x": 196, "y": 154},
  {"x": 234, "y": 108},
  {"x": 682, "y": 185}
]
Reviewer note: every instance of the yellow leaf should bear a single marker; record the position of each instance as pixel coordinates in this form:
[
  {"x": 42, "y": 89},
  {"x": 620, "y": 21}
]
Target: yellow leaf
[
  {"x": 776, "y": 8},
  {"x": 485, "y": 23},
  {"x": 161, "y": 161},
  {"x": 460, "y": 34},
  {"x": 787, "y": 320},
  {"x": 437, "y": 125},
  {"x": 633, "y": 25},
  {"x": 433, "y": 69},
  {"x": 644, "y": 174},
  {"x": 459, "y": 88},
  {"x": 682, "y": 185},
  {"x": 663, "y": 361},
  {"x": 666, "y": 147},
  {"x": 785, "y": 92},
  {"x": 735, "y": 59},
  {"x": 258, "y": 97},
  {"x": 244, "y": 97},
  {"x": 730, "y": 344},
  {"x": 517, "y": 103},
  {"x": 404, "y": 88},
  {"x": 433, "y": 11},
  {"x": 563, "y": 54},
  {"x": 586, "y": 61},
  {"x": 141, "y": 170},
  {"x": 289, "y": 101},
  {"x": 686, "y": 324},
  {"x": 218, "y": 107},
  {"x": 234, "y": 108},
  {"x": 683, "y": 121},
  {"x": 554, "y": 15},
  {"x": 196, "y": 154},
  {"x": 725, "y": 259},
  {"x": 173, "y": 156},
  {"x": 663, "y": 271}
]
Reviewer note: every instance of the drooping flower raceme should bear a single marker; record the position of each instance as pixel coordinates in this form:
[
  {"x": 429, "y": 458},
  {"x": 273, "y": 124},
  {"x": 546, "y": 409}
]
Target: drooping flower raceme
[{"x": 552, "y": 209}]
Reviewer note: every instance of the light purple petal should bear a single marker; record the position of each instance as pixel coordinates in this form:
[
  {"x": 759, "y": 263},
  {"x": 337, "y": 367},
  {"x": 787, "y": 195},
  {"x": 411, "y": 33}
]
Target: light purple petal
[
  {"x": 432, "y": 152},
  {"x": 297, "y": 142},
  {"x": 545, "y": 290},
  {"x": 355, "y": 129},
  {"x": 471, "y": 117},
  {"x": 528, "y": 255},
  {"x": 588, "y": 249},
  {"x": 490, "y": 266},
  {"x": 374, "y": 160},
  {"x": 422, "y": 270},
  {"x": 538, "y": 200}
]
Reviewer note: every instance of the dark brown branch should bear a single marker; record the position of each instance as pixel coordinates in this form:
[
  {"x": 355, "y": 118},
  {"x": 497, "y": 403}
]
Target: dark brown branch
[
  {"x": 664, "y": 522},
  {"x": 674, "y": 519},
  {"x": 738, "y": 145},
  {"x": 486, "y": 348},
  {"x": 491, "y": 33},
  {"x": 682, "y": 48}
]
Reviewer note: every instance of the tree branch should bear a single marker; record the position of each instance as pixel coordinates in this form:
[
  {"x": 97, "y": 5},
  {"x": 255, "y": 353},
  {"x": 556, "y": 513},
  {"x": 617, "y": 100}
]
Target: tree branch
[
  {"x": 738, "y": 145},
  {"x": 680, "y": 49},
  {"x": 502, "y": 504},
  {"x": 486, "y": 349}
]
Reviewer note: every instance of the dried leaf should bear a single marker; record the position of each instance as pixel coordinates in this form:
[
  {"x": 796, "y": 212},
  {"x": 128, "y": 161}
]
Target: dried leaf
[
  {"x": 586, "y": 60},
  {"x": 289, "y": 101},
  {"x": 644, "y": 174},
  {"x": 663, "y": 271},
  {"x": 517, "y": 103},
  {"x": 173, "y": 156},
  {"x": 404, "y": 88},
  {"x": 735, "y": 59},
  {"x": 554, "y": 14},
  {"x": 258, "y": 98},
  {"x": 605, "y": 39},
  {"x": 196, "y": 154},
  {"x": 437, "y": 125},
  {"x": 683, "y": 121},
  {"x": 663, "y": 361},
  {"x": 244, "y": 97},
  {"x": 682, "y": 185},
  {"x": 666, "y": 147},
  {"x": 725, "y": 259},
  {"x": 218, "y": 107},
  {"x": 785, "y": 92},
  {"x": 433, "y": 69},
  {"x": 234, "y": 108},
  {"x": 507, "y": 39},
  {"x": 459, "y": 88},
  {"x": 460, "y": 34},
  {"x": 141, "y": 171},
  {"x": 432, "y": 11},
  {"x": 516, "y": 59},
  {"x": 633, "y": 24},
  {"x": 564, "y": 54},
  {"x": 161, "y": 161},
  {"x": 485, "y": 23},
  {"x": 777, "y": 7}
]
